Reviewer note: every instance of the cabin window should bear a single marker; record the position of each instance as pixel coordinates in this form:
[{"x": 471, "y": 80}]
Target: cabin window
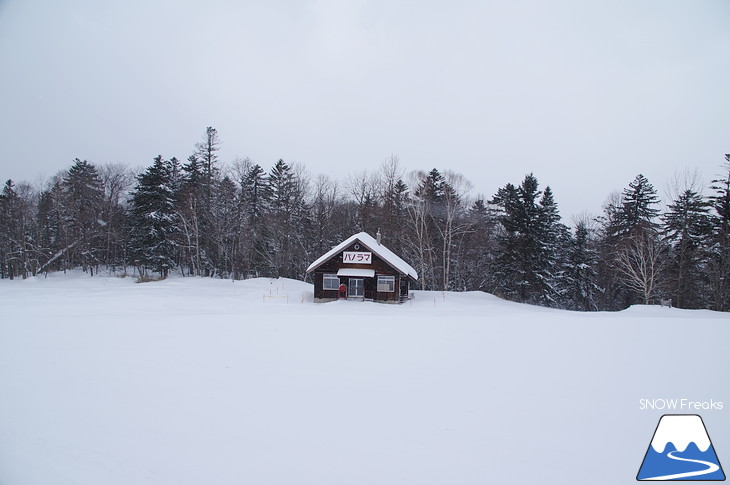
[
  {"x": 386, "y": 284},
  {"x": 331, "y": 282}
]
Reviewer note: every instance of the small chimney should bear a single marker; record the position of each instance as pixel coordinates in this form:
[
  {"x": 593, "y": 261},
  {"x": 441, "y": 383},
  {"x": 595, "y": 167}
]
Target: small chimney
[{"x": 377, "y": 236}]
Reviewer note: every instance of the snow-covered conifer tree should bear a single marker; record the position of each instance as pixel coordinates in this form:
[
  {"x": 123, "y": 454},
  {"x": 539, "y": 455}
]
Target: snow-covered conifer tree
[
  {"x": 154, "y": 219},
  {"x": 581, "y": 276},
  {"x": 82, "y": 203},
  {"x": 687, "y": 228},
  {"x": 720, "y": 249}
]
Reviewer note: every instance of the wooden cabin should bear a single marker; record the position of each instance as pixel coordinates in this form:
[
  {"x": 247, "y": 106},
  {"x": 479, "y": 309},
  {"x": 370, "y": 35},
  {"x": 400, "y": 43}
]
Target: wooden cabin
[{"x": 361, "y": 268}]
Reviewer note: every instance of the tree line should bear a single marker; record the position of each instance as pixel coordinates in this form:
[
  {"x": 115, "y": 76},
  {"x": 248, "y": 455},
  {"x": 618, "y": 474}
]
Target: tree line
[{"x": 203, "y": 218}]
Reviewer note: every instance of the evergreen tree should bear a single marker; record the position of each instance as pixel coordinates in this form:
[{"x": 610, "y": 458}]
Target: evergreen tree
[
  {"x": 83, "y": 202},
  {"x": 193, "y": 178},
  {"x": 719, "y": 267},
  {"x": 154, "y": 220},
  {"x": 529, "y": 248},
  {"x": 508, "y": 273},
  {"x": 192, "y": 214},
  {"x": 226, "y": 220},
  {"x": 286, "y": 247},
  {"x": 51, "y": 230},
  {"x": 518, "y": 245},
  {"x": 369, "y": 212},
  {"x": 253, "y": 206},
  {"x": 581, "y": 275},
  {"x": 638, "y": 209},
  {"x": 200, "y": 180},
  {"x": 554, "y": 240},
  {"x": 394, "y": 215},
  {"x": 205, "y": 152},
  {"x": 254, "y": 195},
  {"x": 480, "y": 247},
  {"x": 432, "y": 187},
  {"x": 632, "y": 254},
  {"x": 687, "y": 229},
  {"x": 12, "y": 234}
]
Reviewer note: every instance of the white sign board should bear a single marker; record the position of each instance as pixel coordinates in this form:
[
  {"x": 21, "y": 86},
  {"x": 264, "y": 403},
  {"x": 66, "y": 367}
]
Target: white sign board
[{"x": 357, "y": 257}]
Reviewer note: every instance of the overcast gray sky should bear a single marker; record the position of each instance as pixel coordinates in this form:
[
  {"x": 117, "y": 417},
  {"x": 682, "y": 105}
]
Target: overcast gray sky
[{"x": 585, "y": 94}]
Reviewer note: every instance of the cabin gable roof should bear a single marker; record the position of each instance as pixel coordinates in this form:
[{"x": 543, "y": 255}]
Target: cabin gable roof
[{"x": 372, "y": 245}]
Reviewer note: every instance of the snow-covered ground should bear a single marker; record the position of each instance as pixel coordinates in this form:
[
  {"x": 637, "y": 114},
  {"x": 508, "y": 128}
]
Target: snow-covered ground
[{"x": 204, "y": 381}]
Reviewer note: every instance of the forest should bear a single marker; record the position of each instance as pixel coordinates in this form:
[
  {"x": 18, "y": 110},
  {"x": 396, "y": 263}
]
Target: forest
[{"x": 202, "y": 217}]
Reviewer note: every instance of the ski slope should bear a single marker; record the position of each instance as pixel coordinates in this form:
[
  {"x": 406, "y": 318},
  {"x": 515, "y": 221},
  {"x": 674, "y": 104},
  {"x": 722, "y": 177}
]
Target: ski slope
[{"x": 204, "y": 381}]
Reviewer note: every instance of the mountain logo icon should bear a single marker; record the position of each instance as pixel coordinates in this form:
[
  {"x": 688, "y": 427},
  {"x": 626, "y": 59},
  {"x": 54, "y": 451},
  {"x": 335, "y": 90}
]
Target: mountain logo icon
[{"x": 680, "y": 450}]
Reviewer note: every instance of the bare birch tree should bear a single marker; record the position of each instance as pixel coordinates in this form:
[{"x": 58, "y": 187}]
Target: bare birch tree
[
  {"x": 453, "y": 226},
  {"x": 639, "y": 265}
]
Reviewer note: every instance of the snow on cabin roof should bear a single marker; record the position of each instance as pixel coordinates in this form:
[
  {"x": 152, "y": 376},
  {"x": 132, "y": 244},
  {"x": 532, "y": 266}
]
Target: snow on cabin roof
[{"x": 370, "y": 243}]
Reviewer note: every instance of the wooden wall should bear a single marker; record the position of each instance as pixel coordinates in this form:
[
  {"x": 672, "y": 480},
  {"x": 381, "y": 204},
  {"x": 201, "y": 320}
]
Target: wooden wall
[{"x": 379, "y": 265}]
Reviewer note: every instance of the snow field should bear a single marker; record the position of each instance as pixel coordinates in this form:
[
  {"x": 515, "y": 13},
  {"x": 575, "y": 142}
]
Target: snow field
[{"x": 192, "y": 381}]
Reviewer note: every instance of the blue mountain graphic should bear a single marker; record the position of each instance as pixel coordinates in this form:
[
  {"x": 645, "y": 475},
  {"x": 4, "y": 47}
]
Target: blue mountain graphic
[{"x": 661, "y": 464}]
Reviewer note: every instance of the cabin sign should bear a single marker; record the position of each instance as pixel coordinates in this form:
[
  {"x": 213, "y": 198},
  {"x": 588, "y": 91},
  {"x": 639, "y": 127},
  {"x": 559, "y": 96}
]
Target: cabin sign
[{"x": 357, "y": 257}]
